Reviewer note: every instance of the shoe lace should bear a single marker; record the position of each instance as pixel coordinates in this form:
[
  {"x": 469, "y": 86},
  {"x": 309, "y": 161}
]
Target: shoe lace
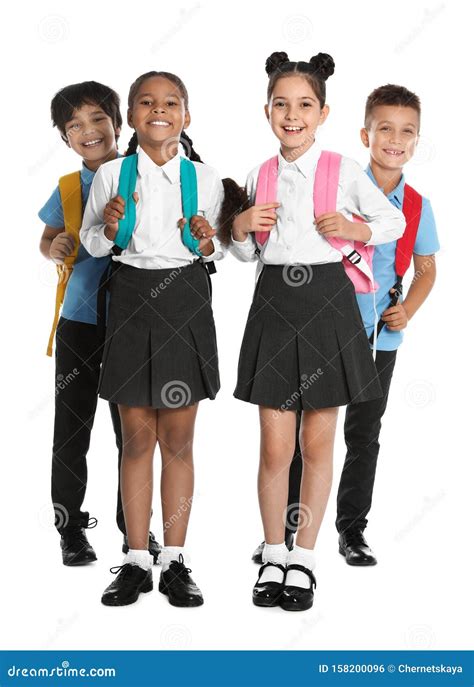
[
  {"x": 355, "y": 538},
  {"x": 124, "y": 570},
  {"x": 179, "y": 568}
]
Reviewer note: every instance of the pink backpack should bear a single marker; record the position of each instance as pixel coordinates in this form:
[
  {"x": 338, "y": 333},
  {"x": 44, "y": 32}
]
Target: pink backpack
[{"x": 357, "y": 257}]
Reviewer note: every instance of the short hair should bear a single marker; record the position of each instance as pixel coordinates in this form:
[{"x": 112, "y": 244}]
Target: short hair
[
  {"x": 76, "y": 95},
  {"x": 391, "y": 95}
]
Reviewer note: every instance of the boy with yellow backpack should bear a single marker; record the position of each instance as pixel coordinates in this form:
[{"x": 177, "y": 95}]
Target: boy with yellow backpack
[{"x": 89, "y": 120}]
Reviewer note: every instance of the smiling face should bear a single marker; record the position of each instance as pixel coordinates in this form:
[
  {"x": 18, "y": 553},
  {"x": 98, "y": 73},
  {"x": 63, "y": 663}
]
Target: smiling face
[
  {"x": 92, "y": 135},
  {"x": 391, "y": 136},
  {"x": 294, "y": 113},
  {"x": 159, "y": 115}
]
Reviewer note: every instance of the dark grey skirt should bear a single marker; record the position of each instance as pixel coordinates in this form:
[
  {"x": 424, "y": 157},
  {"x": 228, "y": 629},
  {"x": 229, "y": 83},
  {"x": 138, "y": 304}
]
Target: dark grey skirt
[
  {"x": 304, "y": 345},
  {"x": 160, "y": 346}
]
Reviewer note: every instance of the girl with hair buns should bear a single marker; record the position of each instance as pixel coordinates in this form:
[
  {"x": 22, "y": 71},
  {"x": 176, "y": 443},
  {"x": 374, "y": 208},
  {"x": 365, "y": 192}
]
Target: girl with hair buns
[
  {"x": 160, "y": 355},
  {"x": 304, "y": 347}
]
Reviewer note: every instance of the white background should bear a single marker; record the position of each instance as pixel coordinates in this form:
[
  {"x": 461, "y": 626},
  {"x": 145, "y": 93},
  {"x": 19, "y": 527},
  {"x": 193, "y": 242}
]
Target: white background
[{"x": 420, "y": 525}]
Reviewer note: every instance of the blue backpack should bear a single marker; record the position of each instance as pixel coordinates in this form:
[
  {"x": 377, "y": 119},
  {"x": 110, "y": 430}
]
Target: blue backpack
[{"x": 126, "y": 189}]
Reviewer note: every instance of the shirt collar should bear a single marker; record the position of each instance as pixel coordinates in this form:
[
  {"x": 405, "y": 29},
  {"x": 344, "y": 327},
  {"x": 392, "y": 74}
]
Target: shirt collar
[
  {"x": 305, "y": 164},
  {"x": 170, "y": 169},
  {"x": 395, "y": 196},
  {"x": 87, "y": 175}
]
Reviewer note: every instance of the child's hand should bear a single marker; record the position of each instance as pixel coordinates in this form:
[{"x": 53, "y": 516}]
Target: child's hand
[
  {"x": 113, "y": 211},
  {"x": 202, "y": 230},
  {"x": 61, "y": 246},
  {"x": 335, "y": 225},
  {"x": 395, "y": 317},
  {"x": 256, "y": 218}
]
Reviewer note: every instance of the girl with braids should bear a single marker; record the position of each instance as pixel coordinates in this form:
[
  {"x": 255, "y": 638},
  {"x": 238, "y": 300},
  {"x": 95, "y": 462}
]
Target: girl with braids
[
  {"x": 160, "y": 354},
  {"x": 304, "y": 347}
]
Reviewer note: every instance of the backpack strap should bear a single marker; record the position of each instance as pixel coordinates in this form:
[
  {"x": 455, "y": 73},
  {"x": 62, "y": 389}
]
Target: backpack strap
[
  {"x": 326, "y": 182},
  {"x": 70, "y": 191},
  {"x": 266, "y": 192},
  {"x": 189, "y": 201},
  {"x": 412, "y": 207},
  {"x": 126, "y": 189}
]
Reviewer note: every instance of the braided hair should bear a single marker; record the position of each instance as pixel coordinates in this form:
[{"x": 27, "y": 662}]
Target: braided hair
[
  {"x": 319, "y": 68},
  {"x": 184, "y": 139}
]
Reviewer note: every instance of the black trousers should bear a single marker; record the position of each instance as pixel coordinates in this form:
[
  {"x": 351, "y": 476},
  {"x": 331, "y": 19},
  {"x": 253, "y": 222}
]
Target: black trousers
[
  {"x": 361, "y": 431},
  {"x": 78, "y": 359}
]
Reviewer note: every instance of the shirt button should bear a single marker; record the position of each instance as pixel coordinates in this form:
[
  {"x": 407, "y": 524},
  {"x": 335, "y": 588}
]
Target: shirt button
[{"x": 290, "y": 219}]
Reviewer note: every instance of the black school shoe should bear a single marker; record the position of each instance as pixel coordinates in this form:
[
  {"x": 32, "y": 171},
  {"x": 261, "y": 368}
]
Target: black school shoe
[
  {"x": 179, "y": 586},
  {"x": 257, "y": 554},
  {"x": 154, "y": 548},
  {"x": 128, "y": 585},
  {"x": 353, "y": 546},
  {"x": 75, "y": 547},
  {"x": 297, "y": 598},
  {"x": 268, "y": 593}
]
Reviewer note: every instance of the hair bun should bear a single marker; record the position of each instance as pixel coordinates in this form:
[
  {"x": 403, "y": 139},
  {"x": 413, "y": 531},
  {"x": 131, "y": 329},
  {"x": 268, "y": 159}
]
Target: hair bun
[
  {"x": 323, "y": 65},
  {"x": 275, "y": 60}
]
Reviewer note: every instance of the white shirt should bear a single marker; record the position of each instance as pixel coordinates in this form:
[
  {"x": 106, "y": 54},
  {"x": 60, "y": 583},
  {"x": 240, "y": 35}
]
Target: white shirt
[
  {"x": 156, "y": 242},
  {"x": 295, "y": 239}
]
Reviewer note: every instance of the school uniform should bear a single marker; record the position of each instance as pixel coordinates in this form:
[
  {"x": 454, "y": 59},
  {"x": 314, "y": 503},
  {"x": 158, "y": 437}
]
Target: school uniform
[
  {"x": 363, "y": 421},
  {"x": 160, "y": 349},
  {"x": 304, "y": 345},
  {"x": 78, "y": 356}
]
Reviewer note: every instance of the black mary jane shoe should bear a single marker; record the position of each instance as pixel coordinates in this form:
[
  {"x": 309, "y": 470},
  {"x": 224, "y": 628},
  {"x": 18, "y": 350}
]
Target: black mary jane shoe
[
  {"x": 354, "y": 548},
  {"x": 130, "y": 582},
  {"x": 75, "y": 547},
  {"x": 257, "y": 554},
  {"x": 298, "y": 598},
  {"x": 268, "y": 593},
  {"x": 154, "y": 548},
  {"x": 177, "y": 584}
]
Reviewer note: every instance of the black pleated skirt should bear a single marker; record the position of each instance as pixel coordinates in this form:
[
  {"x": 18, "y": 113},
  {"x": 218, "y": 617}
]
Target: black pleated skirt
[
  {"x": 304, "y": 345},
  {"x": 160, "y": 345}
]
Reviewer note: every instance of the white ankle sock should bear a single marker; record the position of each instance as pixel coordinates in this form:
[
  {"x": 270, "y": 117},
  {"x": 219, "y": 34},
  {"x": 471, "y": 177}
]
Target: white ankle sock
[
  {"x": 274, "y": 553},
  {"x": 140, "y": 557},
  {"x": 304, "y": 557},
  {"x": 171, "y": 553}
]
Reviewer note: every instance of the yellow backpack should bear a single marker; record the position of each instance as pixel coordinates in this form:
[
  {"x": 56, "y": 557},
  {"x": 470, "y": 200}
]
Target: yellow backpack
[{"x": 70, "y": 190}]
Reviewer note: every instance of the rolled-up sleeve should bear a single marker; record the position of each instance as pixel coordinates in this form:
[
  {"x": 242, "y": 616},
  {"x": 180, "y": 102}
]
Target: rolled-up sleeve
[
  {"x": 92, "y": 231},
  {"x": 363, "y": 198}
]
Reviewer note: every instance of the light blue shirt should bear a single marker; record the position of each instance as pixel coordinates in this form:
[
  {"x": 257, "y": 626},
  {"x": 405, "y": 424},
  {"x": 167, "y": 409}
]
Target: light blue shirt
[
  {"x": 384, "y": 267},
  {"x": 80, "y": 300}
]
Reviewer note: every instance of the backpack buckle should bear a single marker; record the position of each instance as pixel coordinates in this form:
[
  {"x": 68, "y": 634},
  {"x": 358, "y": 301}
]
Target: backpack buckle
[{"x": 354, "y": 257}]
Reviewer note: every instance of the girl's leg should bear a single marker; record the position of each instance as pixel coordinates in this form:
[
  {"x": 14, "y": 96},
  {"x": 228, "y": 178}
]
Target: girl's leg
[
  {"x": 139, "y": 442},
  {"x": 175, "y": 432},
  {"x": 318, "y": 428},
  {"x": 277, "y": 445}
]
